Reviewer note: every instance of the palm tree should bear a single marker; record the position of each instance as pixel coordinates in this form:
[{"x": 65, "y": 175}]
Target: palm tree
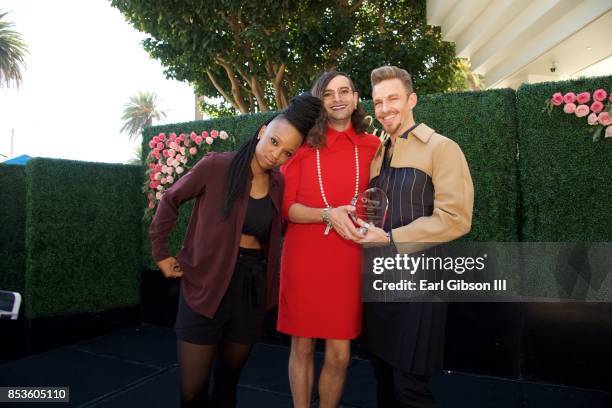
[
  {"x": 139, "y": 113},
  {"x": 12, "y": 53}
]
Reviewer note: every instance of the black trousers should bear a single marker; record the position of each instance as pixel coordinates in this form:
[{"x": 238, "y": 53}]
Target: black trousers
[{"x": 398, "y": 389}]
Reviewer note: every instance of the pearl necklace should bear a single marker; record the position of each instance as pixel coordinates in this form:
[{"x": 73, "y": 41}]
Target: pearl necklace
[{"x": 320, "y": 178}]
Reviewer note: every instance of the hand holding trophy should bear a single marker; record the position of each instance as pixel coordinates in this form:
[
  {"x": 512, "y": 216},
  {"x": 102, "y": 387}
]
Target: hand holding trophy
[{"x": 371, "y": 207}]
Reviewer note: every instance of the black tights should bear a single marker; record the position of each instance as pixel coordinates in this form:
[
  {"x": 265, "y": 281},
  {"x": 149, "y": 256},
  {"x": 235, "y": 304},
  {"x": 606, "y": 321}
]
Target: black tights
[{"x": 195, "y": 362}]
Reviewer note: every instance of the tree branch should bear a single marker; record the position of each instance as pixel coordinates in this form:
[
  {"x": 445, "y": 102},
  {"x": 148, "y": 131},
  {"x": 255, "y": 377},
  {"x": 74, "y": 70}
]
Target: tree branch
[
  {"x": 235, "y": 85},
  {"x": 220, "y": 89},
  {"x": 257, "y": 91},
  {"x": 279, "y": 91}
]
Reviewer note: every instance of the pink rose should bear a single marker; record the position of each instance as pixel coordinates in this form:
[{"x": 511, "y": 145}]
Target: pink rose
[
  {"x": 152, "y": 144},
  {"x": 158, "y": 167},
  {"x": 581, "y": 111},
  {"x": 174, "y": 146},
  {"x": 609, "y": 131},
  {"x": 151, "y": 176},
  {"x": 169, "y": 161},
  {"x": 604, "y": 119},
  {"x": 599, "y": 95},
  {"x": 164, "y": 169},
  {"x": 187, "y": 142},
  {"x": 163, "y": 180},
  {"x": 179, "y": 170},
  {"x": 204, "y": 135},
  {"x": 170, "y": 179},
  {"x": 152, "y": 185},
  {"x": 209, "y": 140},
  {"x": 172, "y": 136},
  {"x": 171, "y": 152},
  {"x": 192, "y": 136},
  {"x": 170, "y": 169},
  {"x": 181, "y": 137},
  {"x": 597, "y": 106},
  {"x": 223, "y": 135},
  {"x": 161, "y": 136},
  {"x": 177, "y": 157},
  {"x": 183, "y": 150},
  {"x": 569, "y": 107},
  {"x": 160, "y": 188},
  {"x": 158, "y": 195},
  {"x": 193, "y": 151},
  {"x": 198, "y": 140},
  {"x": 583, "y": 97},
  {"x": 159, "y": 146},
  {"x": 592, "y": 119},
  {"x": 557, "y": 99},
  {"x": 214, "y": 134},
  {"x": 569, "y": 97},
  {"x": 155, "y": 154},
  {"x": 151, "y": 166},
  {"x": 184, "y": 160},
  {"x": 151, "y": 205}
]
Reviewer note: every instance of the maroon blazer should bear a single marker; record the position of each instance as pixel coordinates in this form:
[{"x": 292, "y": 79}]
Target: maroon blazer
[{"x": 210, "y": 247}]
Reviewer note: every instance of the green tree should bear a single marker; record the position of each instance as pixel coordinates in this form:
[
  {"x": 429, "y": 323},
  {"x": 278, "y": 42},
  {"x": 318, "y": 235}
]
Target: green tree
[
  {"x": 256, "y": 54},
  {"x": 12, "y": 53},
  {"x": 139, "y": 113}
]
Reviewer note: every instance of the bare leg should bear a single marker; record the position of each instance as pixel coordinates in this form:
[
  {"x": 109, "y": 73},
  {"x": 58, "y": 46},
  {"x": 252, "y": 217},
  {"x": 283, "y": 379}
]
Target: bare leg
[
  {"x": 195, "y": 361},
  {"x": 301, "y": 370},
  {"x": 333, "y": 374}
]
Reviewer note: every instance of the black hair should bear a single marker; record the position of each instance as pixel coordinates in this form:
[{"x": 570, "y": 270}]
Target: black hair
[{"x": 301, "y": 112}]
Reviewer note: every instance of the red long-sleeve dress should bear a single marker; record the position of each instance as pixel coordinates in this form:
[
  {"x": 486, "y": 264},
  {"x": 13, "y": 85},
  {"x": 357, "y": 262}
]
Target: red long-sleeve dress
[{"x": 320, "y": 291}]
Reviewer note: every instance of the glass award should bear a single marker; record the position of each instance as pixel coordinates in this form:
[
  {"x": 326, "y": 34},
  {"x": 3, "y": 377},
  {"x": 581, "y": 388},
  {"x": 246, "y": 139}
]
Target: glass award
[{"x": 371, "y": 207}]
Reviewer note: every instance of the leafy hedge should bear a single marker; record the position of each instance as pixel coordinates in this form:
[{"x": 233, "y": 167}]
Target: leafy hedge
[
  {"x": 483, "y": 123},
  {"x": 564, "y": 176},
  {"x": 83, "y": 239},
  {"x": 12, "y": 227}
]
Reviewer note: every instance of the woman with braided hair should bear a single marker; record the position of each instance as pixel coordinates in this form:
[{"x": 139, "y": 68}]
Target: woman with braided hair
[{"x": 236, "y": 216}]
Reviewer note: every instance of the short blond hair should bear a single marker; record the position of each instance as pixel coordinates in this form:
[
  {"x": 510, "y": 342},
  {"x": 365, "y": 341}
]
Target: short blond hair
[{"x": 391, "y": 72}]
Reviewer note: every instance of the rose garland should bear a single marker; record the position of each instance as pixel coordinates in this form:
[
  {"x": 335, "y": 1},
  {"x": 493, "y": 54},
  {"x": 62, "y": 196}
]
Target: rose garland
[
  {"x": 597, "y": 107},
  {"x": 169, "y": 158}
]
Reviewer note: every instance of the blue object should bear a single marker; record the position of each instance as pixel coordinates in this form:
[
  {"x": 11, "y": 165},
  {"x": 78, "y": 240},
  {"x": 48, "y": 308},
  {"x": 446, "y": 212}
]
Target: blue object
[{"x": 20, "y": 160}]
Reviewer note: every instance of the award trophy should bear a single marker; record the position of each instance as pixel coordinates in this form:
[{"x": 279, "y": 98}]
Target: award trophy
[{"x": 371, "y": 207}]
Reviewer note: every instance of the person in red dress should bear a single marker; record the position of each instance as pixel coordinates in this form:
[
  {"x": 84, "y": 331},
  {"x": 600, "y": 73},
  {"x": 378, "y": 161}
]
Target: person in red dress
[{"x": 320, "y": 292}]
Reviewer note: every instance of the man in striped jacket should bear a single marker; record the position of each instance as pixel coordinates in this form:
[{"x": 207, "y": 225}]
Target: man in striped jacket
[{"x": 428, "y": 183}]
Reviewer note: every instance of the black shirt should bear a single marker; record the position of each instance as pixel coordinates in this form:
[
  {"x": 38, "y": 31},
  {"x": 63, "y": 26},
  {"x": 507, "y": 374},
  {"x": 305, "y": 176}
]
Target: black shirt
[{"x": 258, "y": 218}]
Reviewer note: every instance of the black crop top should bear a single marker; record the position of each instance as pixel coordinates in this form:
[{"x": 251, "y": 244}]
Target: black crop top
[{"x": 258, "y": 218}]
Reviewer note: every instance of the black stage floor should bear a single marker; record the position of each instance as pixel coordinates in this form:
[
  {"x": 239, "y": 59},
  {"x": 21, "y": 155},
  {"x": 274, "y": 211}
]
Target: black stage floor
[{"x": 136, "y": 367}]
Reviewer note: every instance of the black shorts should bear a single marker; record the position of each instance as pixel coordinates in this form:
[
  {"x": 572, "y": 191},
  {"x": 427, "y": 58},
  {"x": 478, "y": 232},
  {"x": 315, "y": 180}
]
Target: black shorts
[{"x": 240, "y": 316}]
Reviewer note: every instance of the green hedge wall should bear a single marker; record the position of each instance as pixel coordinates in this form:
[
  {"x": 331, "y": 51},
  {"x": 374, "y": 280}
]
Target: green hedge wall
[
  {"x": 564, "y": 176},
  {"x": 12, "y": 227},
  {"x": 83, "y": 239},
  {"x": 483, "y": 123}
]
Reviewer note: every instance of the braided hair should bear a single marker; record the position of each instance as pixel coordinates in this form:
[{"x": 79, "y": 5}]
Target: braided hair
[{"x": 301, "y": 112}]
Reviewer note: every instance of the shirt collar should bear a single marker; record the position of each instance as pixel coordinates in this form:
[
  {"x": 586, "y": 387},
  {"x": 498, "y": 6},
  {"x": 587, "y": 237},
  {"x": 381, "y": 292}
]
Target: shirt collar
[
  {"x": 331, "y": 135},
  {"x": 421, "y": 131}
]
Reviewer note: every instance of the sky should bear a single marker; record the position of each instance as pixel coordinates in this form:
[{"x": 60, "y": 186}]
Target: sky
[{"x": 85, "y": 62}]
